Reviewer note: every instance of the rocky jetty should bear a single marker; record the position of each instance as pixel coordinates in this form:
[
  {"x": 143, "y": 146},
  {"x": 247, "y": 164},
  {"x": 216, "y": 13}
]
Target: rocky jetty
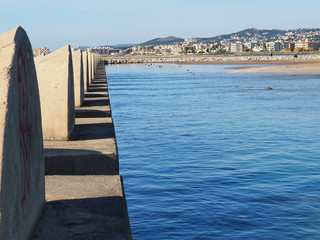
[{"x": 211, "y": 59}]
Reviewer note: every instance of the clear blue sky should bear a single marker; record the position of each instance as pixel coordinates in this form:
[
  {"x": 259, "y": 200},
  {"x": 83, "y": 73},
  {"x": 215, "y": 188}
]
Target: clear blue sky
[{"x": 55, "y": 23}]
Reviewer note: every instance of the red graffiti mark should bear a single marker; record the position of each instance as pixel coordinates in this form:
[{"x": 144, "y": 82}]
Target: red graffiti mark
[{"x": 24, "y": 129}]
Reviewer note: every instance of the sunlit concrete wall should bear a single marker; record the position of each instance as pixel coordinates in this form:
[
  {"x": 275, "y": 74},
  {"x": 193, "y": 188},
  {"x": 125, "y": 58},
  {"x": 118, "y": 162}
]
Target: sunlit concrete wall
[
  {"x": 85, "y": 70},
  {"x": 21, "y": 149},
  {"x": 78, "y": 77},
  {"x": 56, "y": 86}
]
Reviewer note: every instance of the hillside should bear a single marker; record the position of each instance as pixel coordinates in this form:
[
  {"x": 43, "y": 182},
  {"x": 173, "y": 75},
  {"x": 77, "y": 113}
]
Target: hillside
[
  {"x": 260, "y": 34},
  {"x": 166, "y": 40},
  {"x": 251, "y": 32},
  {"x": 244, "y": 35}
]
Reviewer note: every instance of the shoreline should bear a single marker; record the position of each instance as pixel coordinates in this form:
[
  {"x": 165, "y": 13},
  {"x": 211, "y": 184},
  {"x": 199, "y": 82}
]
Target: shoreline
[
  {"x": 304, "y": 64},
  {"x": 312, "y": 68}
]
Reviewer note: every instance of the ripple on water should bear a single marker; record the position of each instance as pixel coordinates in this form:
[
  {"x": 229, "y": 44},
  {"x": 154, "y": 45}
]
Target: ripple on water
[{"x": 202, "y": 159}]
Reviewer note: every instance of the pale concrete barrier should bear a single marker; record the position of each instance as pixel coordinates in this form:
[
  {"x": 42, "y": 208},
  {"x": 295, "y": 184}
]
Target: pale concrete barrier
[
  {"x": 21, "y": 149},
  {"x": 85, "y": 70},
  {"x": 56, "y": 87},
  {"x": 78, "y": 78},
  {"x": 93, "y": 70},
  {"x": 95, "y": 63},
  {"x": 90, "y": 67}
]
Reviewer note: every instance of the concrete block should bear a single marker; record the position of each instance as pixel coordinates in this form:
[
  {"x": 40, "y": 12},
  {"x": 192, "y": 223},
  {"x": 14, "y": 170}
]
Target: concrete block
[
  {"x": 90, "y": 67},
  {"x": 93, "y": 150},
  {"x": 78, "y": 78},
  {"x": 85, "y": 70},
  {"x": 96, "y": 62},
  {"x": 56, "y": 86},
  {"x": 22, "y": 192},
  {"x": 85, "y": 207}
]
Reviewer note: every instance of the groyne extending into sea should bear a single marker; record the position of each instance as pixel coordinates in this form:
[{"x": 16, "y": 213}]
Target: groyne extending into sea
[
  {"x": 211, "y": 59},
  {"x": 58, "y": 153}
]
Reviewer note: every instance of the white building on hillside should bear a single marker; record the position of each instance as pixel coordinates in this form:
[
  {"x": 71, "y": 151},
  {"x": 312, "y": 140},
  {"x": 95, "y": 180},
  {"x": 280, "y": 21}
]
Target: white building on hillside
[
  {"x": 276, "y": 46},
  {"x": 250, "y": 45},
  {"x": 41, "y": 51},
  {"x": 258, "y": 48},
  {"x": 236, "y": 47}
]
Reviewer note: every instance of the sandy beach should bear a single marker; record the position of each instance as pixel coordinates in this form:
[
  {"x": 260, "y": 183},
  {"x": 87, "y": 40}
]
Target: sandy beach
[{"x": 280, "y": 68}]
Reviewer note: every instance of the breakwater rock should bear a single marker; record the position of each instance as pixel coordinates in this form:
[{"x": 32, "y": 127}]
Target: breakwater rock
[{"x": 211, "y": 59}]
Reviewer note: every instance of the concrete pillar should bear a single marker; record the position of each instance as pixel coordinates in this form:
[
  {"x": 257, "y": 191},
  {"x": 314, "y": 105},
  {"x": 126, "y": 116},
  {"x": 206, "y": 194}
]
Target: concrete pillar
[
  {"x": 78, "y": 78},
  {"x": 90, "y": 67},
  {"x": 22, "y": 192},
  {"x": 85, "y": 70},
  {"x": 96, "y": 62},
  {"x": 56, "y": 87}
]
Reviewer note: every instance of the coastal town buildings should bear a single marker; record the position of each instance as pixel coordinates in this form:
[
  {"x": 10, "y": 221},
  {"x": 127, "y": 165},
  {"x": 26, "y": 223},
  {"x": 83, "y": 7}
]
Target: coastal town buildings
[
  {"x": 191, "y": 40},
  {"x": 276, "y": 46},
  {"x": 257, "y": 48},
  {"x": 250, "y": 45},
  {"x": 236, "y": 47},
  {"x": 105, "y": 50},
  {"x": 307, "y": 44},
  {"x": 41, "y": 51},
  {"x": 289, "y": 45},
  {"x": 249, "y": 40}
]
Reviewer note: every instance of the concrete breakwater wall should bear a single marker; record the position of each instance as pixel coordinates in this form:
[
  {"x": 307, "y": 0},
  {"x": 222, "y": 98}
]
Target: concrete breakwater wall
[
  {"x": 56, "y": 86},
  {"x": 58, "y": 146},
  {"x": 211, "y": 59},
  {"x": 21, "y": 149}
]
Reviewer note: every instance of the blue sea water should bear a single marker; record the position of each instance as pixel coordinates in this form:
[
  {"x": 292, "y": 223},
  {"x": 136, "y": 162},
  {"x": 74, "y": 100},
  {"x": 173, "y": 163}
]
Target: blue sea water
[{"x": 210, "y": 155}]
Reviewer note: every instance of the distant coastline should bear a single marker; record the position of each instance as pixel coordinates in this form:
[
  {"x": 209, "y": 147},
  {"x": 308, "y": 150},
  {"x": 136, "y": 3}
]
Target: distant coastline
[{"x": 213, "y": 59}]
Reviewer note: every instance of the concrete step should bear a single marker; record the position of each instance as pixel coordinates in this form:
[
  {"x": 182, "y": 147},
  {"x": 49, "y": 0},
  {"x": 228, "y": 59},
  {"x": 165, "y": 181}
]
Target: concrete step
[
  {"x": 84, "y": 192},
  {"x": 93, "y": 111},
  {"x": 82, "y": 157},
  {"x": 96, "y": 101},
  {"x": 84, "y": 207}
]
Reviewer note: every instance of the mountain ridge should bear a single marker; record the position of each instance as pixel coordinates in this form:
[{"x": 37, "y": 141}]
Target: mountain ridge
[
  {"x": 165, "y": 41},
  {"x": 268, "y": 34}
]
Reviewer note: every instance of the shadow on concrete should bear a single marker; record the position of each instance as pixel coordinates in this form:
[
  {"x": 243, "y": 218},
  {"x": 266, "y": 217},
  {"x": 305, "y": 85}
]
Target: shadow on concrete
[
  {"x": 98, "y": 89},
  {"x": 80, "y": 162},
  {"x": 99, "y": 83},
  {"x": 90, "y": 218},
  {"x": 93, "y": 131},
  {"x": 91, "y": 113},
  {"x": 95, "y": 95},
  {"x": 96, "y": 102}
]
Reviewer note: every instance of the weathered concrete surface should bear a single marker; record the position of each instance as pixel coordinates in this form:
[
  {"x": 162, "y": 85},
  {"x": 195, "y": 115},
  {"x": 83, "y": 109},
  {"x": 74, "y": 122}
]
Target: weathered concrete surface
[
  {"x": 89, "y": 67},
  {"x": 85, "y": 70},
  {"x": 93, "y": 66},
  {"x": 55, "y": 76},
  {"x": 97, "y": 102},
  {"x": 94, "y": 62},
  {"x": 85, "y": 195},
  {"x": 99, "y": 111},
  {"x": 78, "y": 77},
  {"x": 94, "y": 156},
  {"x": 21, "y": 149},
  {"x": 84, "y": 207},
  {"x": 92, "y": 149}
]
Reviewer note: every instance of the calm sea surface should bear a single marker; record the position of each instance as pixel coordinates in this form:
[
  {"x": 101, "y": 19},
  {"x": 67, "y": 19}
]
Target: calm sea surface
[{"x": 204, "y": 159}]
